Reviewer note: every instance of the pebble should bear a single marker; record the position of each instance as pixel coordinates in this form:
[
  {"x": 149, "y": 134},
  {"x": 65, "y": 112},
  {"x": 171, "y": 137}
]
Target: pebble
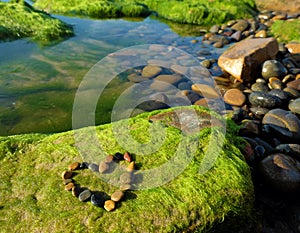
[
  {"x": 93, "y": 167},
  {"x": 98, "y": 200},
  {"x": 205, "y": 91},
  {"x": 117, "y": 196},
  {"x": 258, "y": 86},
  {"x": 131, "y": 166},
  {"x": 259, "y": 112},
  {"x": 125, "y": 187},
  {"x": 234, "y": 97},
  {"x": 76, "y": 191},
  {"x": 84, "y": 165},
  {"x": 67, "y": 175},
  {"x": 151, "y": 71},
  {"x": 127, "y": 157},
  {"x": 85, "y": 195},
  {"x": 69, "y": 186},
  {"x": 126, "y": 178},
  {"x": 169, "y": 78},
  {"x": 294, "y": 84},
  {"x": 292, "y": 150},
  {"x": 118, "y": 157},
  {"x": 262, "y": 99},
  {"x": 67, "y": 181},
  {"x": 240, "y": 25},
  {"x": 273, "y": 68},
  {"x": 283, "y": 119},
  {"x": 74, "y": 166},
  {"x": 103, "y": 167},
  {"x": 281, "y": 172},
  {"x": 109, "y": 205},
  {"x": 294, "y": 106},
  {"x": 108, "y": 159}
]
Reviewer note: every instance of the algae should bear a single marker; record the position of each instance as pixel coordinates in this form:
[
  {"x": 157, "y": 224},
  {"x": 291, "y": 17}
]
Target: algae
[
  {"x": 32, "y": 196},
  {"x": 18, "y": 19},
  {"x": 188, "y": 11},
  {"x": 286, "y": 31}
]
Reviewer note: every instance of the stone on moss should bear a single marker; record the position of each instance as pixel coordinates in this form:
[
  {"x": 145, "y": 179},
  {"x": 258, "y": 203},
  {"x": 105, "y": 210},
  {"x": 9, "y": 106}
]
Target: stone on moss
[{"x": 193, "y": 201}]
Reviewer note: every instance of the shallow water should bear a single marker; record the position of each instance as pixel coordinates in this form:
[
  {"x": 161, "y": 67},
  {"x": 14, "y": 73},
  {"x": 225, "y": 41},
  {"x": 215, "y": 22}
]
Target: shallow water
[{"x": 38, "y": 83}]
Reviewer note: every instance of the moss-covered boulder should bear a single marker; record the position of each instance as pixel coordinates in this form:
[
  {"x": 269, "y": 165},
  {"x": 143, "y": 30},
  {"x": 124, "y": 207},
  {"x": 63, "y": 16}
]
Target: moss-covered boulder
[
  {"x": 286, "y": 30},
  {"x": 33, "y": 199},
  {"x": 19, "y": 19},
  {"x": 205, "y": 12}
]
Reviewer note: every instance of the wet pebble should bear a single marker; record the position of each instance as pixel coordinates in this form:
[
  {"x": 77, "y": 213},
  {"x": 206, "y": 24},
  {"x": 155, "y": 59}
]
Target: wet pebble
[
  {"x": 283, "y": 119},
  {"x": 259, "y": 87},
  {"x": 205, "y": 90},
  {"x": 262, "y": 99},
  {"x": 76, "y": 191},
  {"x": 234, "y": 97},
  {"x": 281, "y": 172},
  {"x": 294, "y": 84},
  {"x": 151, "y": 71},
  {"x": 85, "y": 195},
  {"x": 273, "y": 68},
  {"x": 292, "y": 150},
  {"x": 294, "y": 106}
]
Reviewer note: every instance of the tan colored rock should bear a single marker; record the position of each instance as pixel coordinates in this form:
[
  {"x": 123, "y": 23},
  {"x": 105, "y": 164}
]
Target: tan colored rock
[
  {"x": 150, "y": 71},
  {"x": 109, "y": 205},
  {"x": 234, "y": 97},
  {"x": 205, "y": 91},
  {"x": 293, "y": 47},
  {"x": 168, "y": 78},
  {"x": 243, "y": 60},
  {"x": 74, "y": 166}
]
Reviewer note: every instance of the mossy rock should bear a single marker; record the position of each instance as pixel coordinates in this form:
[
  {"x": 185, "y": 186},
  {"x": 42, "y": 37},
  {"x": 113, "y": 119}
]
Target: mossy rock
[
  {"x": 205, "y": 12},
  {"x": 33, "y": 198},
  {"x": 286, "y": 31},
  {"x": 19, "y": 19}
]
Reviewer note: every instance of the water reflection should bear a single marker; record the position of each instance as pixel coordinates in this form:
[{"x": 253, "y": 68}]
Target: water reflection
[{"x": 38, "y": 84}]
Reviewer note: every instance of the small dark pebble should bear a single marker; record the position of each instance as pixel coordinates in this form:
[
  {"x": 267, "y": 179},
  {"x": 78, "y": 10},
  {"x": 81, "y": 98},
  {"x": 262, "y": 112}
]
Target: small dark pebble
[
  {"x": 118, "y": 157},
  {"x": 76, "y": 191},
  {"x": 98, "y": 200},
  {"x": 263, "y": 100},
  {"x": 84, "y": 165}
]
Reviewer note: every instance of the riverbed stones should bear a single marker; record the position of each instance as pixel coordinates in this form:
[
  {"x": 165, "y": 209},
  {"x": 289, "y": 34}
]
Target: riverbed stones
[
  {"x": 240, "y": 25},
  {"x": 76, "y": 190},
  {"x": 243, "y": 60},
  {"x": 283, "y": 119},
  {"x": 109, "y": 205},
  {"x": 294, "y": 106},
  {"x": 117, "y": 196},
  {"x": 273, "y": 68},
  {"x": 262, "y": 99},
  {"x": 234, "y": 97},
  {"x": 151, "y": 71},
  {"x": 294, "y": 84},
  {"x": 84, "y": 195},
  {"x": 281, "y": 172},
  {"x": 205, "y": 91},
  {"x": 292, "y": 150},
  {"x": 98, "y": 199},
  {"x": 168, "y": 78}
]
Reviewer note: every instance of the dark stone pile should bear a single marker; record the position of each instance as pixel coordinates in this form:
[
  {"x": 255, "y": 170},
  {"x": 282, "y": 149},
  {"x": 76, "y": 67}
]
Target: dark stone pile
[{"x": 100, "y": 198}]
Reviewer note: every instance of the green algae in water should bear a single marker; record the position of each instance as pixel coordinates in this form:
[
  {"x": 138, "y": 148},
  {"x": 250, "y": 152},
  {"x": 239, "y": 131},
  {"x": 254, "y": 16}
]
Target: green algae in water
[
  {"x": 33, "y": 196},
  {"x": 189, "y": 11},
  {"x": 18, "y": 20}
]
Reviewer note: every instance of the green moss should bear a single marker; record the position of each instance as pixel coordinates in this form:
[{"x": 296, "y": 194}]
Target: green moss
[
  {"x": 19, "y": 20},
  {"x": 32, "y": 196},
  {"x": 286, "y": 31},
  {"x": 188, "y": 11}
]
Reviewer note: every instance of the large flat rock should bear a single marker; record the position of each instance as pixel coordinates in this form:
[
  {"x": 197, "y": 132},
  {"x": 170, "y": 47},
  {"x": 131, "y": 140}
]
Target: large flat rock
[
  {"x": 244, "y": 59},
  {"x": 290, "y": 6},
  {"x": 33, "y": 198}
]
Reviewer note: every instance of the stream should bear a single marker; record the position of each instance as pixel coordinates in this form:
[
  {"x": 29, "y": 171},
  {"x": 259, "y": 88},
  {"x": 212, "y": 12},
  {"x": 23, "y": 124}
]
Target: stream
[{"x": 38, "y": 83}]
